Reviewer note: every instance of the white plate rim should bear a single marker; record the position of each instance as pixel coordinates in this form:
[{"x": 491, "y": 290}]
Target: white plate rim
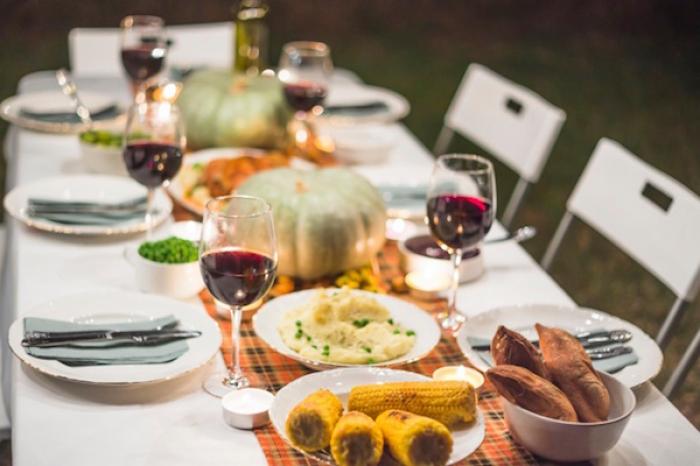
[
  {"x": 625, "y": 375},
  {"x": 267, "y": 311},
  {"x": 210, "y": 343},
  {"x": 12, "y": 206},
  {"x": 348, "y": 372},
  {"x": 9, "y": 112},
  {"x": 399, "y": 108}
]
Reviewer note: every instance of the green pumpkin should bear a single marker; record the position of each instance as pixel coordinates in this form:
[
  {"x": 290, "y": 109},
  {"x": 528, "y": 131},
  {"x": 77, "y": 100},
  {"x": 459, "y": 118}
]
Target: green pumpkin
[
  {"x": 327, "y": 221},
  {"x": 222, "y": 109}
]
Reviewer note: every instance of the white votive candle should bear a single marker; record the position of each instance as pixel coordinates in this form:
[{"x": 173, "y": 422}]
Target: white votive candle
[{"x": 461, "y": 373}]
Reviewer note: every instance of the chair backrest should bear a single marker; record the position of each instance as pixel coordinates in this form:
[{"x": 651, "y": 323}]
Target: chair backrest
[
  {"x": 646, "y": 213},
  {"x": 95, "y": 51},
  {"x": 516, "y": 125}
]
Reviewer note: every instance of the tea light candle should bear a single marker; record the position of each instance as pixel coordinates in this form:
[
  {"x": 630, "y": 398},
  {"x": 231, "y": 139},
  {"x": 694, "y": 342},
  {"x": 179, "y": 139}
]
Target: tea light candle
[
  {"x": 247, "y": 408},
  {"x": 429, "y": 283},
  {"x": 465, "y": 374}
]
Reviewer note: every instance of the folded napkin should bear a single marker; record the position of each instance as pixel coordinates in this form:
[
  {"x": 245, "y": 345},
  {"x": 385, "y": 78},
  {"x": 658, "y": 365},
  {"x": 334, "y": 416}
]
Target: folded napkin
[
  {"x": 53, "y": 116},
  {"x": 86, "y": 213},
  {"x": 609, "y": 365},
  {"x": 106, "y": 352},
  {"x": 401, "y": 197}
]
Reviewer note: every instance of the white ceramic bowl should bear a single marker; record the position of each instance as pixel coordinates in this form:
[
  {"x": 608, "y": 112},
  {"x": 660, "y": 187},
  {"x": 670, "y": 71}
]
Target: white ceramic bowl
[
  {"x": 180, "y": 281},
  {"x": 471, "y": 267},
  {"x": 570, "y": 441},
  {"x": 102, "y": 159}
]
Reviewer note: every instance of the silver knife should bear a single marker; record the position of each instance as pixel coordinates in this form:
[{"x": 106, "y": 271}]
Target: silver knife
[
  {"x": 71, "y": 90},
  {"x": 143, "y": 337}
]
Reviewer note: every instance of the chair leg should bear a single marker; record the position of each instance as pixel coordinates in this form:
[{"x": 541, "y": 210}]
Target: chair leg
[
  {"x": 672, "y": 319},
  {"x": 514, "y": 203},
  {"x": 443, "y": 141},
  {"x": 554, "y": 244},
  {"x": 686, "y": 363}
]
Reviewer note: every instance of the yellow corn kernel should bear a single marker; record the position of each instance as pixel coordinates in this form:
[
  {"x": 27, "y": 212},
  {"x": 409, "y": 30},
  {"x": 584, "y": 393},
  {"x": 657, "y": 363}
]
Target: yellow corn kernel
[
  {"x": 415, "y": 440},
  {"x": 450, "y": 402},
  {"x": 356, "y": 441},
  {"x": 310, "y": 423}
]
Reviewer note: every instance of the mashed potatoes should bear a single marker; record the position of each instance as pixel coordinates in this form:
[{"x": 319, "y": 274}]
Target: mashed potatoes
[{"x": 345, "y": 327}]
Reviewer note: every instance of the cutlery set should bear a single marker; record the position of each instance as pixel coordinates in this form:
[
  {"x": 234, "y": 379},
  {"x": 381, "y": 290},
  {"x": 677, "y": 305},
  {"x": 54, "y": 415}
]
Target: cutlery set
[
  {"x": 599, "y": 344},
  {"x": 84, "y": 212}
]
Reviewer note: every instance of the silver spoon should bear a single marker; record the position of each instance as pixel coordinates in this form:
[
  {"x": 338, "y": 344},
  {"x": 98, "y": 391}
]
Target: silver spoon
[
  {"x": 521, "y": 234},
  {"x": 71, "y": 90}
]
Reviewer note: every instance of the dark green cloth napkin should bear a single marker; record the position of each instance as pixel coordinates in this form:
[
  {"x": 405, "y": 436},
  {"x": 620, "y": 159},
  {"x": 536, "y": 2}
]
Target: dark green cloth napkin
[
  {"x": 105, "y": 353},
  {"x": 106, "y": 113}
]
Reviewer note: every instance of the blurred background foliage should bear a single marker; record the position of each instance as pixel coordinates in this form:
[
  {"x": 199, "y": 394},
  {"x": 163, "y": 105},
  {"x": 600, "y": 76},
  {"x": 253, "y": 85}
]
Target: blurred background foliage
[{"x": 624, "y": 69}]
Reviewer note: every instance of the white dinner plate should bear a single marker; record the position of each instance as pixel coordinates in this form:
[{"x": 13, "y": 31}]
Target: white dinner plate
[
  {"x": 177, "y": 189},
  {"x": 93, "y": 188},
  {"x": 341, "y": 381},
  {"x": 54, "y": 101},
  {"x": 408, "y": 315},
  {"x": 121, "y": 306},
  {"x": 574, "y": 320},
  {"x": 355, "y": 94}
]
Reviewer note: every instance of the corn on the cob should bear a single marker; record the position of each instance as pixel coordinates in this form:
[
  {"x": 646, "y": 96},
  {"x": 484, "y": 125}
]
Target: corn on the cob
[
  {"x": 450, "y": 402},
  {"x": 310, "y": 423},
  {"x": 357, "y": 441},
  {"x": 415, "y": 440}
]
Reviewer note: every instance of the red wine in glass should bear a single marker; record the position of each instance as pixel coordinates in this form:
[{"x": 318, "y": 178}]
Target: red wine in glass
[
  {"x": 143, "y": 62},
  {"x": 458, "y": 221},
  {"x": 152, "y": 163},
  {"x": 237, "y": 277},
  {"x": 305, "y": 95}
]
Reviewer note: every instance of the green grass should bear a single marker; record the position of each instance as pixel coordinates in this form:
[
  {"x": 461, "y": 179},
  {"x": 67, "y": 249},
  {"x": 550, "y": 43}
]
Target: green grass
[{"x": 629, "y": 73}]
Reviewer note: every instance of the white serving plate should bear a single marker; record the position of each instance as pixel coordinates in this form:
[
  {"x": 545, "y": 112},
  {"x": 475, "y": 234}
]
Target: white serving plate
[
  {"x": 341, "y": 381},
  {"x": 53, "y": 101},
  {"x": 119, "y": 306},
  {"x": 266, "y": 320},
  {"x": 574, "y": 320},
  {"x": 176, "y": 188},
  {"x": 355, "y": 94},
  {"x": 94, "y": 188}
]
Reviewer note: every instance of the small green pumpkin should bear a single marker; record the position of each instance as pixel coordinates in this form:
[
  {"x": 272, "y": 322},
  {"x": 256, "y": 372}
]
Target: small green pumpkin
[
  {"x": 223, "y": 109},
  {"x": 326, "y": 220}
]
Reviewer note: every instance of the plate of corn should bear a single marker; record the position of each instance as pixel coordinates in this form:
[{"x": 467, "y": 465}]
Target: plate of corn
[{"x": 370, "y": 416}]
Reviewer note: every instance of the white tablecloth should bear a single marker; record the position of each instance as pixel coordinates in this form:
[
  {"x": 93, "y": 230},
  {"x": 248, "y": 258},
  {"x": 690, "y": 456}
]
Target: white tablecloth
[{"x": 178, "y": 424}]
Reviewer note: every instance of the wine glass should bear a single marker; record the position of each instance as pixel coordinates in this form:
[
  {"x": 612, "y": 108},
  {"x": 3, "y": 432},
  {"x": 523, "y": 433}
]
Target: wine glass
[
  {"x": 305, "y": 69},
  {"x": 238, "y": 261},
  {"x": 461, "y": 208},
  {"x": 143, "y": 49},
  {"x": 154, "y": 142}
]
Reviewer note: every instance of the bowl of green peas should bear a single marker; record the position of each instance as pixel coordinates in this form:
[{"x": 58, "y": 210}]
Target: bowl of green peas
[
  {"x": 101, "y": 151},
  {"x": 167, "y": 266}
]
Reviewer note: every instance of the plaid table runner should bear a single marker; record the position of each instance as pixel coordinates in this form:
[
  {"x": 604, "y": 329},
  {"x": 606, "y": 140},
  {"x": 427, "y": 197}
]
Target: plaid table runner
[{"x": 276, "y": 371}]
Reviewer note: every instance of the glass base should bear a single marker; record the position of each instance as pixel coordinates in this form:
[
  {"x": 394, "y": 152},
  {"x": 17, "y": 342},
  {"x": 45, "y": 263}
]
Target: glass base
[
  {"x": 451, "y": 321},
  {"x": 221, "y": 384}
]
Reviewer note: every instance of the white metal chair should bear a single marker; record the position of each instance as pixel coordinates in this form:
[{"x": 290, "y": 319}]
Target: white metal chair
[
  {"x": 95, "y": 51},
  {"x": 651, "y": 217},
  {"x": 513, "y": 123}
]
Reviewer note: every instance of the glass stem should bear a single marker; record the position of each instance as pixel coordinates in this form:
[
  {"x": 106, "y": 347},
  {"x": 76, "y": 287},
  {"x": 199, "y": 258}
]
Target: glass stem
[
  {"x": 452, "y": 300},
  {"x": 235, "y": 373},
  {"x": 150, "y": 196}
]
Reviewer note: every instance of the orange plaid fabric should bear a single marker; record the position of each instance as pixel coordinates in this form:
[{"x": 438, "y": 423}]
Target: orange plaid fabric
[{"x": 276, "y": 371}]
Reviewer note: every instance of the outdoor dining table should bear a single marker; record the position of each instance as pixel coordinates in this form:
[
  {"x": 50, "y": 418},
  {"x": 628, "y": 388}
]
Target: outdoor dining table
[{"x": 176, "y": 422}]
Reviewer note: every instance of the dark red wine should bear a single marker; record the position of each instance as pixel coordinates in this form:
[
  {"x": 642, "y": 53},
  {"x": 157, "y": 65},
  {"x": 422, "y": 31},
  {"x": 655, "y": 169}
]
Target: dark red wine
[
  {"x": 425, "y": 245},
  {"x": 237, "y": 277},
  {"x": 142, "y": 63},
  {"x": 304, "y": 96},
  {"x": 457, "y": 221},
  {"x": 152, "y": 163}
]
